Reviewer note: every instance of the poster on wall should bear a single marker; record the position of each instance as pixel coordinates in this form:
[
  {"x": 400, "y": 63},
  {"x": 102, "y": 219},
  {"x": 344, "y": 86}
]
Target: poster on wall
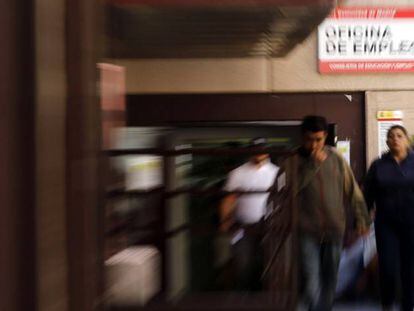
[
  {"x": 367, "y": 40},
  {"x": 386, "y": 119},
  {"x": 344, "y": 148}
]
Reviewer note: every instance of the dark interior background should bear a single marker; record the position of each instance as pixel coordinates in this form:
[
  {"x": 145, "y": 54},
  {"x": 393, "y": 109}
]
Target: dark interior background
[{"x": 346, "y": 110}]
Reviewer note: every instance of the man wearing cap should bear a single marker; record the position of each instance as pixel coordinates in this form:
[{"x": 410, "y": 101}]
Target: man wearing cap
[{"x": 243, "y": 214}]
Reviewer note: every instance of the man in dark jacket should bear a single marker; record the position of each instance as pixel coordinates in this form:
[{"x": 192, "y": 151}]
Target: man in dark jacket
[{"x": 319, "y": 180}]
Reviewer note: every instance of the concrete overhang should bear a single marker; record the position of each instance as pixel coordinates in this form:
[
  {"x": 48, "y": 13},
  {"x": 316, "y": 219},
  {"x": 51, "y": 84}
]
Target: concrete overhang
[{"x": 210, "y": 28}]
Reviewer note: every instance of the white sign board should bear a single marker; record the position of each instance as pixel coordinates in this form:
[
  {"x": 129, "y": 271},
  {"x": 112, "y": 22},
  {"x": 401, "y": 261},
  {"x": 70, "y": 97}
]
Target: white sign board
[
  {"x": 359, "y": 39},
  {"x": 386, "y": 119}
]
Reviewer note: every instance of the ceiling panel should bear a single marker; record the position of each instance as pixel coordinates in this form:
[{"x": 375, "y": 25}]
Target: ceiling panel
[{"x": 136, "y": 29}]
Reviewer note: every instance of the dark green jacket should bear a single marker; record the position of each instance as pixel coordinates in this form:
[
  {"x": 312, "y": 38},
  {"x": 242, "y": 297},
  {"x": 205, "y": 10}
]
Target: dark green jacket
[{"x": 319, "y": 192}]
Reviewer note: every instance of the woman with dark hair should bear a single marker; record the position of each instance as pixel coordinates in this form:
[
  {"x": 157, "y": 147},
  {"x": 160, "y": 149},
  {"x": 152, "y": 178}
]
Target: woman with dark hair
[{"x": 390, "y": 186}]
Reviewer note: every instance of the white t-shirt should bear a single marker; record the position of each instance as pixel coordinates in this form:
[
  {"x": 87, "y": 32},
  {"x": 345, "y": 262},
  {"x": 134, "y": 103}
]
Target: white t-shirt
[{"x": 250, "y": 208}]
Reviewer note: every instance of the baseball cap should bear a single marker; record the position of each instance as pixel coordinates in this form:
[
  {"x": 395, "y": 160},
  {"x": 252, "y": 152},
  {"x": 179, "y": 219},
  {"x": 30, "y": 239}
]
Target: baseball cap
[{"x": 258, "y": 142}]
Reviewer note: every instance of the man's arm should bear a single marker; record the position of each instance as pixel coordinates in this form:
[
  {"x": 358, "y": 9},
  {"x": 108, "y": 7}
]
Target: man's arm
[
  {"x": 226, "y": 212},
  {"x": 356, "y": 199},
  {"x": 228, "y": 204}
]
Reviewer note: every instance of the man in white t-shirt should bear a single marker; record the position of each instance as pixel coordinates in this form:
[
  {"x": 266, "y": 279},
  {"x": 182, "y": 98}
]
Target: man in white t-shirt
[{"x": 243, "y": 214}]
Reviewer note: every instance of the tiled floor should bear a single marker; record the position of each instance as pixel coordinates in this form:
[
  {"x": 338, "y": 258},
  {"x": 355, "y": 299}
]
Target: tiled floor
[
  {"x": 352, "y": 306},
  {"x": 240, "y": 302},
  {"x": 357, "y": 307}
]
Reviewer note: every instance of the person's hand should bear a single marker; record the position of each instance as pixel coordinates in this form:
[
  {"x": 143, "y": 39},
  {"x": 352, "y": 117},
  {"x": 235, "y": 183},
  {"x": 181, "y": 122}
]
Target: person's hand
[
  {"x": 225, "y": 226},
  {"x": 372, "y": 214},
  {"x": 362, "y": 230},
  {"x": 319, "y": 155}
]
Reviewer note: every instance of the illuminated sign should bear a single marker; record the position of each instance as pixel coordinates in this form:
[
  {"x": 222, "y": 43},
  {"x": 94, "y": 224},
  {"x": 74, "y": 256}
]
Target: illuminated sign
[{"x": 353, "y": 40}]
